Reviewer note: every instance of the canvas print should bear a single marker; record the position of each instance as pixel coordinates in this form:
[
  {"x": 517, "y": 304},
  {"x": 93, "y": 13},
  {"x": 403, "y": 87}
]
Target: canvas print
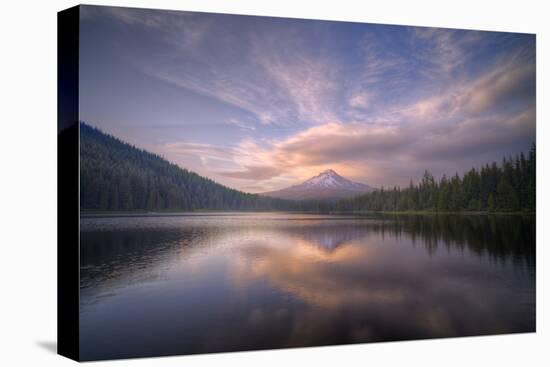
[{"x": 254, "y": 182}]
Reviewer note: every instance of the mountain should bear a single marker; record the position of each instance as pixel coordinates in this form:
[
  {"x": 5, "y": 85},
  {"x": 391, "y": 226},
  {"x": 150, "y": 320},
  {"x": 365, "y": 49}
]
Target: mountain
[
  {"x": 326, "y": 185},
  {"x": 115, "y": 176}
]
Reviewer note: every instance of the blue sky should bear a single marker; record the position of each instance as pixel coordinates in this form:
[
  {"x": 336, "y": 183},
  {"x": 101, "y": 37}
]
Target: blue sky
[{"x": 259, "y": 103}]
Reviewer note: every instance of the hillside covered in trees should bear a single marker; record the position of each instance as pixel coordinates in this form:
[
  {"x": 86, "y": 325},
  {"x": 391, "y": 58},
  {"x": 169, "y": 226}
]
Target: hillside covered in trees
[
  {"x": 510, "y": 187},
  {"x": 115, "y": 176},
  {"x": 119, "y": 177}
]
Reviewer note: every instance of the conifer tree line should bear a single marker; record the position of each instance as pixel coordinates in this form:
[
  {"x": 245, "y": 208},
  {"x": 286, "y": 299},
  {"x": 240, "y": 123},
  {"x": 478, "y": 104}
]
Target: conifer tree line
[
  {"x": 508, "y": 187},
  {"x": 115, "y": 176},
  {"x": 119, "y": 177}
]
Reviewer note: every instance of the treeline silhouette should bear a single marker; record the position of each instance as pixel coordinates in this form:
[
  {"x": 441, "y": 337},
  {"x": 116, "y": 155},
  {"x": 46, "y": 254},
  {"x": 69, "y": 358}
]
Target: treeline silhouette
[
  {"x": 115, "y": 176},
  {"x": 510, "y": 187}
]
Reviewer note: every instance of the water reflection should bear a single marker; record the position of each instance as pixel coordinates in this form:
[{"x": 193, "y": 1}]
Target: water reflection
[{"x": 204, "y": 284}]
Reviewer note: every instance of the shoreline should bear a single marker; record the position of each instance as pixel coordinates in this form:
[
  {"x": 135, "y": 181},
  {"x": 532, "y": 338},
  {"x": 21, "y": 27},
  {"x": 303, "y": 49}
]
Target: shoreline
[
  {"x": 423, "y": 212},
  {"x": 197, "y": 213}
]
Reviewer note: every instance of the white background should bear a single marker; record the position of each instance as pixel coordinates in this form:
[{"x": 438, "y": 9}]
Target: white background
[{"x": 28, "y": 183}]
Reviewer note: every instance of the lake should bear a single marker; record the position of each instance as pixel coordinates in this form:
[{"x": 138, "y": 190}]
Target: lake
[{"x": 164, "y": 285}]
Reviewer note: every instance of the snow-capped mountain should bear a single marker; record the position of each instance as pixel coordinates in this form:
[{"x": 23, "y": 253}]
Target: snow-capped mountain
[{"x": 326, "y": 185}]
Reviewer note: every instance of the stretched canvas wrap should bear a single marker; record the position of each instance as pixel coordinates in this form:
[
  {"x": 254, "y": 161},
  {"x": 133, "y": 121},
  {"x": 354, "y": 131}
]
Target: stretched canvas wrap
[{"x": 232, "y": 183}]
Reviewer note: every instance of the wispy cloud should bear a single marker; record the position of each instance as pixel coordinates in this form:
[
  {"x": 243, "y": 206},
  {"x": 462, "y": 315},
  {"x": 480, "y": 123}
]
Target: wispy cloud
[
  {"x": 178, "y": 27},
  {"x": 442, "y": 48},
  {"x": 240, "y": 124},
  {"x": 276, "y": 87},
  {"x": 508, "y": 84},
  {"x": 360, "y": 100}
]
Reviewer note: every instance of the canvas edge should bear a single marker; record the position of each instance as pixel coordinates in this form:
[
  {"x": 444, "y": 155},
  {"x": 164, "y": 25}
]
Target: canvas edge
[{"x": 68, "y": 183}]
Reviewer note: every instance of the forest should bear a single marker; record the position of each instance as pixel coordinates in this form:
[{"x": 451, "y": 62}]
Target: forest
[
  {"x": 508, "y": 187},
  {"x": 116, "y": 176}
]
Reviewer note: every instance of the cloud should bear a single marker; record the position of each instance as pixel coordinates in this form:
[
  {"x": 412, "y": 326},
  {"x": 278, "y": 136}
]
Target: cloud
[
  {"x": 305, "y": 153},
  {"x": 442, "y": 50},
  {"x": 478, "y": 136},
  {"x": 253, "y": 173},
  {"x": 305, "y": 83},
  {"x": 240, "y": 124},
  {"x": 202, "y": 158},
  {"x": 508, "y": 84},
  {"x": 206, "y": 150},
  {"x": 281, "y": 93},
  {"x": 258, "y": 75},
  {"x": 445, "y": 51},
  {"x": 179, "y": 28},
  {"x": 360, "y": 100}
]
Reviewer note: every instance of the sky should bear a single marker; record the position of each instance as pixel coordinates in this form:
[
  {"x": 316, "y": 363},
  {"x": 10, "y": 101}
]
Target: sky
[{"x": 261, "y": 103}]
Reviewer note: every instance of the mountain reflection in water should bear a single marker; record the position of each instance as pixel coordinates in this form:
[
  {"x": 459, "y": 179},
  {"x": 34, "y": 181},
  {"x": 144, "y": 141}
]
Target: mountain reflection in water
[{"x": 178, "y": 285}]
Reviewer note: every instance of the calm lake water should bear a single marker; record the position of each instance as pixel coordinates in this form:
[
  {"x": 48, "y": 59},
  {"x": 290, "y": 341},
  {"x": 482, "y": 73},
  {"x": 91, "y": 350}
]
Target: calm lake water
[{"x": 227, "y": 282}]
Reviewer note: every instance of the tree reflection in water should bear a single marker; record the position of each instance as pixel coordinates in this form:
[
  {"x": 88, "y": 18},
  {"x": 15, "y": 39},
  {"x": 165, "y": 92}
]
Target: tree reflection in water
[{"x": 282, "y": 280}]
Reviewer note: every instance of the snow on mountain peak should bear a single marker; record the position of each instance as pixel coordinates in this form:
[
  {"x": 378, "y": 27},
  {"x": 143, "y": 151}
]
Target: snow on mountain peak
[
  {"x": 329, "y": 179},
  {"x": 329, "y": 172},
  {"x": 326, "y": 185}
]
